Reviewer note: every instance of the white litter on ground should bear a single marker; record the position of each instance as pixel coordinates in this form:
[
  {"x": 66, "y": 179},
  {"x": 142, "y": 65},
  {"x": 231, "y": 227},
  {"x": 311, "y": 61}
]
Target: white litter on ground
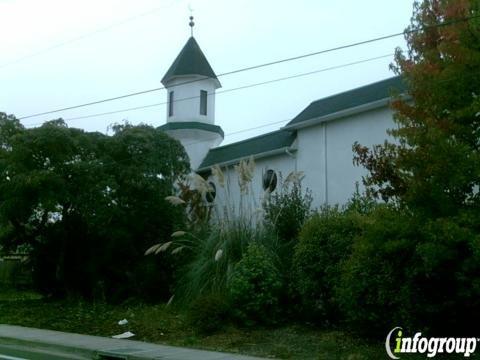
[{"x": 125, "y": 335}]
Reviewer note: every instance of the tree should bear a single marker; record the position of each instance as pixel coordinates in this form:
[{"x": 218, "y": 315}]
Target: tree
[
  {"x": 87, "y": 205},
  {"x": 434, "y": 166},
  {"x": 419, "y": 259}
]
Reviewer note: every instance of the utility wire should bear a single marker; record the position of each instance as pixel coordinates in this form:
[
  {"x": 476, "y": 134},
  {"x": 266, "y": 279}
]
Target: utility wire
[
  {"x": 141, "y": 156},
  {"x": 342, "y": 47},
  {"x": 243, "y": 131},
  {"x": 228, "y": 90},
  {"x": 81, "y": 37},
  {"x": 136, "y": 156}
]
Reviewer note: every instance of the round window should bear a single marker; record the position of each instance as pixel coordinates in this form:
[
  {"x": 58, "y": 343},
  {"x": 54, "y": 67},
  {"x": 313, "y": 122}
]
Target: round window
[
  {"x": 211, "y": 193},
  {"x": 269, "y": 180}
]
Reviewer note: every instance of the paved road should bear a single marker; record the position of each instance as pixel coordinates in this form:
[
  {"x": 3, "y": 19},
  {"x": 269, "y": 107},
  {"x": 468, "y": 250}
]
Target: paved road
[{"x": 19, "y": 343}]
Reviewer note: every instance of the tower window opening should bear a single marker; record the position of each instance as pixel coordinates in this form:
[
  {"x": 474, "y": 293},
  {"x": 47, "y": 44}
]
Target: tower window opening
[
  {"x": 203, "y": 102},
  {"x": 170, "y": 103}
]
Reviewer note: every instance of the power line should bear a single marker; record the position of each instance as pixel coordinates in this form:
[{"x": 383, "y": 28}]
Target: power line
[
  {"x": 231, "y": 133},
  {"x": 141, "y": 156},
  {"x": 230, "y": 90},
  {"x": 276, "y": 122},
  {"x": 244, "y": 130},
  {"x": 81, "y": 37},
  {"x": 342, "y": 47}
]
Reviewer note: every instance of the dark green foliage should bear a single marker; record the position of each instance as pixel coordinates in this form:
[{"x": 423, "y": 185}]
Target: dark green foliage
[
  {"x": 447, "y": 270},
  {"x": 422, "y": 276},
  {"x": 208, "y": 313},
  {"x": 87, "y": 206},
  {"x": 287, "y": 210},
  {"x": 210, "y": 257},
  {"x": 360, "y": 203},
  {"x": 255, "y": 287},
  {"x": 418, "y": 262},
  {"x": 324, "y": 243},
  {"x": 373, "y": 288}
]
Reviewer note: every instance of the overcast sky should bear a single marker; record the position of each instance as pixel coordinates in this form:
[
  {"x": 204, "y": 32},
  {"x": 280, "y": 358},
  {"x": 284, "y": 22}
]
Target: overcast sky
[{"x": 58, "y": 53}]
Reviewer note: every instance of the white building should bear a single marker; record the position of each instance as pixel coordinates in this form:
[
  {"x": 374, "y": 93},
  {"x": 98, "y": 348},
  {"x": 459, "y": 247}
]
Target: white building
[{"x": 318, "y": 141}]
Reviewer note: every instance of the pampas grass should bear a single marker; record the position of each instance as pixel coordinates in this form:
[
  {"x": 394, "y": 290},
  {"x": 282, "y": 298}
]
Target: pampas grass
[
  {"x": 215, "y": 255},
  {"x": 212, "y": 249}
]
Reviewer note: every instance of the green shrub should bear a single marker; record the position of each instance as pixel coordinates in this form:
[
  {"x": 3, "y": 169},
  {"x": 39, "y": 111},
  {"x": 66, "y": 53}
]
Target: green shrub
[
  {"x": 207, "y": 313},
  {"x": 446, "y": 276},
  {"x": 213, "y": 256},
  {"x": 360, "y": 203},
  {"x": 324, "y": 242},
  {"x": 255, "y": 286},
  {"x": 287, "y": 210},
  {"x": 372, "y": 287},
  {"x": 422, "y": 275}
]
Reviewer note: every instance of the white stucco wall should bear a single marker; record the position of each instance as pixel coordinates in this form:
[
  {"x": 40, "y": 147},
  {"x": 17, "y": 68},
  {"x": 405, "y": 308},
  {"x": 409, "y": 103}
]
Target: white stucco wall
[
  {"x": 189, "y": 109},
  {"x": 325, "y": 153},
  {"x": 280, "y": 163},
  {"x": 196, "y": 142}
]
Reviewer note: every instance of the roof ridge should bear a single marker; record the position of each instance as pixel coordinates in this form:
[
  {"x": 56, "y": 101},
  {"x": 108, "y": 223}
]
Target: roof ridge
[
  {"x": 357, "y": 88},
  {"x": 350, "y": 99}
]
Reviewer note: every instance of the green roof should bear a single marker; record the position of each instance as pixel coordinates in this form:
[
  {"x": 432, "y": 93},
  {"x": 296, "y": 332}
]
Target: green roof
[
  {"x": 350, "y": 99},
  {"x": 181, "y": 125},
  {"x": 260, "y": 144},
  {"x": 190, "y": 61}
]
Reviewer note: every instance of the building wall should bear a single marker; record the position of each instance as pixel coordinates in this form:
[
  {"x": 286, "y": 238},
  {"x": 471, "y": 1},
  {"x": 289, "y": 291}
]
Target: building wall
[
  {"x": 196, "y": 142},
  {"x": 230, "y": 195},
  {"x": 325, "y": 153},
  {"x": 189, "y": 109}
]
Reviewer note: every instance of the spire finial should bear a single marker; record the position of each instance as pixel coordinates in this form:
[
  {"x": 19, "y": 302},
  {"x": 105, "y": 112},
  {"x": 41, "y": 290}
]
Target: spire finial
[{"x": 191, "y": 24}]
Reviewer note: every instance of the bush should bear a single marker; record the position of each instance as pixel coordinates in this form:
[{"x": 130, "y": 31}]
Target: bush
[
  {"x": 370, "y": 292},
  {"x": 446, "y": 276},
  {"x": 324, "y": 242},
  {"x": 213, "y": 255},
  {"x": 255, "y": 286},
  {"x": 286, "y": 211},
  {"x": 421, "y": 275},
  {"x": 207, "y": 313},
  {"x": 360, "y": 203}
]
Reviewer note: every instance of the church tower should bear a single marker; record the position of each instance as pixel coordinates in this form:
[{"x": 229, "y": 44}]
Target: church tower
[{"x": 191, "y": 83}]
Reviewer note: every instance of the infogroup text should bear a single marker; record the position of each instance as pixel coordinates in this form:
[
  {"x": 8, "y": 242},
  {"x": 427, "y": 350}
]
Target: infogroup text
[{"x": 431, "y": 346}]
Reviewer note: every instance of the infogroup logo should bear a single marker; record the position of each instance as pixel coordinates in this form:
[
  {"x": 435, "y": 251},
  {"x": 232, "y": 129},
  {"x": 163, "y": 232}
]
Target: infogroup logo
[{"x": 432, "y": 346}]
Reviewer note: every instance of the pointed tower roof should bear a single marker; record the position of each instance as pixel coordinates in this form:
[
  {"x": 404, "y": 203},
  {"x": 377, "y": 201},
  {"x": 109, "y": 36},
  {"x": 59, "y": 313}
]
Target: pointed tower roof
[{"x": 190, "y": 61}]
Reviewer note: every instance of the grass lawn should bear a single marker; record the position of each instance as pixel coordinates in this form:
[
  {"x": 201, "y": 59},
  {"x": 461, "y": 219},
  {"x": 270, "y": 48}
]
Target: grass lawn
[{"x": 165, "y": 325}]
